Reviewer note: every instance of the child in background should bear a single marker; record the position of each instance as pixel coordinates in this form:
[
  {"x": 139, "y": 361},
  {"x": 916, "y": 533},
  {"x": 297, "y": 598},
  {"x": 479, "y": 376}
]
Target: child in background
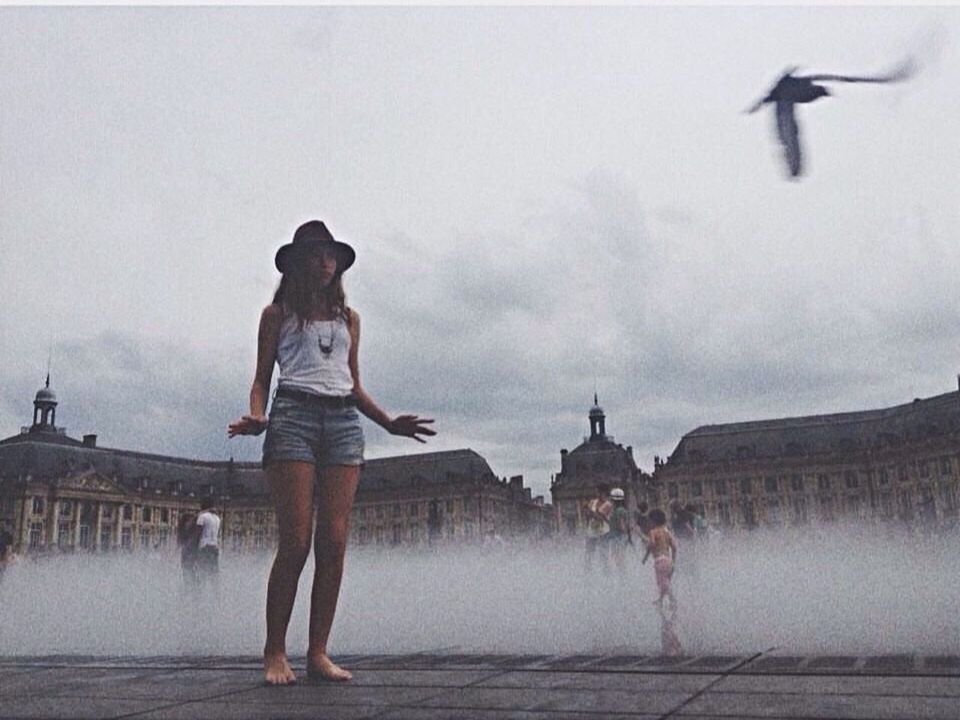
[{"x": 662, "y": 545}]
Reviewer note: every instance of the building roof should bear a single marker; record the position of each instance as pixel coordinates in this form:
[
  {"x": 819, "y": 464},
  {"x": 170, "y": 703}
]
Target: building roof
[
  {"x": 821, "y": 434},
  {"x": 51, "y": 456},
  {"x": 425, "y": 469}
]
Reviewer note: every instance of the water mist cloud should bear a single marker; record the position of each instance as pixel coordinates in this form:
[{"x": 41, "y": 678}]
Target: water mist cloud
[{"x": 835, "y": 591}]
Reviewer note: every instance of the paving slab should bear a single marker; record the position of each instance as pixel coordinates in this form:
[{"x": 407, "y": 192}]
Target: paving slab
[
  {"x": 75, "y": 709},
  {"x": 273, "y": 711},
  {"x": 833, "y": 706},
  {"x": 473, "y": 714},
  {"x": 431, "y": 685},
  {"x": 545, "y": 699},
  {"x": 626, "y": 682},
  {"x": 840, "y": 685}
]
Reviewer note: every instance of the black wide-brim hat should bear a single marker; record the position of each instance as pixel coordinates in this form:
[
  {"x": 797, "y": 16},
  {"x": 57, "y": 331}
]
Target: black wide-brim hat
[{"x": 312, "y": 236}]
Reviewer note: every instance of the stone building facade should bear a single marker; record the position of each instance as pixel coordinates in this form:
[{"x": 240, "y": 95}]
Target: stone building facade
[
  {"x": 895, "y": 465},
  {"x": 62, "y": 494},
  {"x": 598, "y": 459}
]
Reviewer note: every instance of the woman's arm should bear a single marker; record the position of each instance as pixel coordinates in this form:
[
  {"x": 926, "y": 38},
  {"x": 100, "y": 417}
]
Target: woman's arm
[
  {"x": 406, "y": 425},
  {"x": 255, "y": 422}
]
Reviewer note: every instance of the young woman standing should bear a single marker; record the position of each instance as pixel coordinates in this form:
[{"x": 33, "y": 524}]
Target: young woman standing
[{"x": 313, "y": 449}]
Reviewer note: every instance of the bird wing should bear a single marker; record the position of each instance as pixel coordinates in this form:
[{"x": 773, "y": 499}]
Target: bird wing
[
  {"x": 903, "y": 71},
  {"x": 789, "y": 134},
  {"x": 766, "y": 98}
]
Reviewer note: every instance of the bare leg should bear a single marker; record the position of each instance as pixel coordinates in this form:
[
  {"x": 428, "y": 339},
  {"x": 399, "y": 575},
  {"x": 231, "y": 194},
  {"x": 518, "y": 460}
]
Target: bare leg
[
  {"x": 291, "y": 490},
  {"x": 335, "y": 491}
]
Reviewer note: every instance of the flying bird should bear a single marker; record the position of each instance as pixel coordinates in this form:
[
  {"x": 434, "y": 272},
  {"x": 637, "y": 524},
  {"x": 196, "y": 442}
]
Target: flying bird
[{"x": 791, "y": 89}]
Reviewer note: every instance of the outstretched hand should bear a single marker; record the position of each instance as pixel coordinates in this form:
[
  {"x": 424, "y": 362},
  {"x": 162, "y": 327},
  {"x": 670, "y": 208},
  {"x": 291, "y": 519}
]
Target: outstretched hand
[
  {"x": 247, "y": 425},
  {"x": 411, "y": 426}
]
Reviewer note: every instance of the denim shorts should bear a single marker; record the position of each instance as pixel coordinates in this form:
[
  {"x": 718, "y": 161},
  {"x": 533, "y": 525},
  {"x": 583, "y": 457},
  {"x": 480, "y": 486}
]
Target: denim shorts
[{"x": 308, "y": 432}]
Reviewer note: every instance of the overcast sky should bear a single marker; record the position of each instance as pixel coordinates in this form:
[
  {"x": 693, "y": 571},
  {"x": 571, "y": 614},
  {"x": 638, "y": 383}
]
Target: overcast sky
[{"x": 544, "y": 201}]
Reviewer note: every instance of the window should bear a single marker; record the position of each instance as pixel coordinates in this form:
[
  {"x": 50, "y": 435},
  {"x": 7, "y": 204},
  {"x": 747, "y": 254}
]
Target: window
[
  {"x": 413, "y": 510},
  {"x": 259, "y": 517},
  {"x": 770, "y": 484},
  {"x": 414, "y": 532},
  {"x": 826, "y": 509},
  {"x": 800, "y": 510},
  {"x": 165, "y": 515},
  {"x": 673, "y": 491},
  {"x": 906, "y": 504},
  {"x": 128, "y": 512},
  {"x": 852, "y": 504},
  {"x": 397, "y": 534},
  {"x": 723, "y": 513},
  {"x": 696, "y": 488},
  {"x": 851, "y": 480},
  {"x": 886, "y": 504},
  {"x": 126, "y": 538},
  {"x": 363, "y": 513},
  {"x": 107, "y": 512},
  {"x": 448, "y": 507},
  {"x": 259, "y": 539},
  {"x": 720, "y": 486},
  {"x": 823, "y": 483},
  {"x": 38, "y": 506},
  {"x": 745, "y": 486},
  {"x": 773, "y": 511},
  {"x": 379, "y": 512},
  {"x": 146, "y": 513},
  {"x": 948, "y": 496},
  {"x": 36, "y": 532},
  {"x": 84, "y": 536},
  {"x": 163, "y": 537},
  {"x": 66, "y": 509},
  {"x": 749, "y": 515},
  {"x": 883, "y": 477},
  {"x": 923, "y": 467},
  {"x": 144, "y": 539},
  {"x": 106, "y": 536},
  {"x": 396, "y": 510},
  {"x": 902, "y": 473},
  {"x": 64, "y": 535},
  {"x": 796, "y": 483},
  {"x": 946, "y": 467}
]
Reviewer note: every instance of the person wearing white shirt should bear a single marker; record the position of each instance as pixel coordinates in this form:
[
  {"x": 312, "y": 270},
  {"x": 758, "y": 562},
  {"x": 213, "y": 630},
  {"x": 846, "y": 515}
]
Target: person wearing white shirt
[{"x": 208, "y": 556}]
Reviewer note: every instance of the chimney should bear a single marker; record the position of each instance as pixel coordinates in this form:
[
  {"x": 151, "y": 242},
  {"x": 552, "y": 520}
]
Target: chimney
[{"x": 90, "y": 441}]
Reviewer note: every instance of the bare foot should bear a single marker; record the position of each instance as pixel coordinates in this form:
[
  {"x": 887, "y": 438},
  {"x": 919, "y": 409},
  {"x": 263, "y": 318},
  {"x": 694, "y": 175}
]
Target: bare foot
[
  {"x": 322, "y": 667},
  {"x": 277, "y": 670}
]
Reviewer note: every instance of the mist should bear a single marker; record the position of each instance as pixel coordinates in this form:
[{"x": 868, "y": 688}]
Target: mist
[{"x": 839, "y": 590}]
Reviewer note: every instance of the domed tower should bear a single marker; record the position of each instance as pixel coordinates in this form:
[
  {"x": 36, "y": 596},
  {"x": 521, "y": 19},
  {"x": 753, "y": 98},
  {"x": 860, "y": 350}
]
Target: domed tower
[
  {"x": 44, "y": 409},
  {"x": 597, "y": 421}
]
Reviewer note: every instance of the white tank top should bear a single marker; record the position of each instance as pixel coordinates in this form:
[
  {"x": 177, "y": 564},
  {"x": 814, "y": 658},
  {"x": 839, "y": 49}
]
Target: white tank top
[{"x": 314, "y": 359}]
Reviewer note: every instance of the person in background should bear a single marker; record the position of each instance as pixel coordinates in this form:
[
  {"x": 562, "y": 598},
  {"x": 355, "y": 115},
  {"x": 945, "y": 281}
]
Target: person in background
[
  {"x": 597, "y": 512},
  {"x": 619, "y": 536},
  {"x": 663, "y": 547},
  {"x": 208, "y": 545},
  {"x": 188, "y": 539}
]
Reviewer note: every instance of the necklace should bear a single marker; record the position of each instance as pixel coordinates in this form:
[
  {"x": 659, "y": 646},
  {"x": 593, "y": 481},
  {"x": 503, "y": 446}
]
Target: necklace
[{"x": 326, "y": 348}]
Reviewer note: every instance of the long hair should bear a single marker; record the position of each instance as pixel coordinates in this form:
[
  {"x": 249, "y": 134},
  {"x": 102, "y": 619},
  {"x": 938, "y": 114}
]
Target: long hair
[{"x": 296, "y": 293}]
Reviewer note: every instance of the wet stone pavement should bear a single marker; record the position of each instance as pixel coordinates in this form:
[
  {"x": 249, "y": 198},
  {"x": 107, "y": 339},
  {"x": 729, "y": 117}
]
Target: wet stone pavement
[{"x": 773, "y": 684}]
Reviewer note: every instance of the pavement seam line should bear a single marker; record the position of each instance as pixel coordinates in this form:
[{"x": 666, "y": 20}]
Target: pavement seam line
[
  {"x": 218, "y": 696},
  {"x": 701, "y": 691},
  {"x": 390, "y": 708}
]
